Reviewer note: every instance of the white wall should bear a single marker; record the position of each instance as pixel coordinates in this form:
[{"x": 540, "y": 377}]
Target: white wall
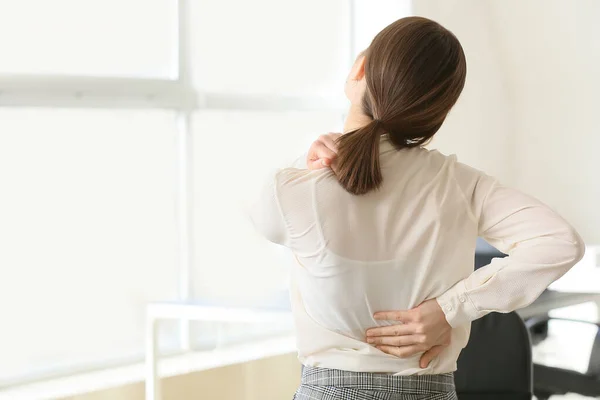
[
  {"x": 553, "y": 53},
  {"x": 529, "y": 114},
  {"x": 479, "y": 128}
]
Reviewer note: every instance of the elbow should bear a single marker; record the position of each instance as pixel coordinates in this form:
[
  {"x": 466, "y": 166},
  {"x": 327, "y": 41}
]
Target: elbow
[
  {"x": 575, "y": 249},
  {"x": 578, "y": 249},
  {"x": 563, "y": 253}
]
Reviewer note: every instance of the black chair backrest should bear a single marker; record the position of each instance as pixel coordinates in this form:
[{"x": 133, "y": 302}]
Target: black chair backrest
[{"x": 496, "y": 364}]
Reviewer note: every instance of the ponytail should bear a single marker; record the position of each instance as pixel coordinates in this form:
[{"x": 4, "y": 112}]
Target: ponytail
[{"x": 358, "y": 168}]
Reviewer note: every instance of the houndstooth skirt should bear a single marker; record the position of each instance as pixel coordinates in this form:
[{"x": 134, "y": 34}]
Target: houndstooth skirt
[{"x": 331, "y": 384}]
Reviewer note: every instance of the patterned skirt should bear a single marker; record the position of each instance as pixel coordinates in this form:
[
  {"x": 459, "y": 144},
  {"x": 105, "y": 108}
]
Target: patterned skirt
[{"x": 331, "y": 384}]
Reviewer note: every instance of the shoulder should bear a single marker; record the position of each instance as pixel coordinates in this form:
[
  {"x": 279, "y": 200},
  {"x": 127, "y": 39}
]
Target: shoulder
[
  {"x": 470, "y": 180},
  {"x": 436, "y": 156},
  {"x": 295, "y": 188},
  {"x": 431, "y": 164},
  {"x": 288, "y": 178},
  {"x": 461, "y": 170}
]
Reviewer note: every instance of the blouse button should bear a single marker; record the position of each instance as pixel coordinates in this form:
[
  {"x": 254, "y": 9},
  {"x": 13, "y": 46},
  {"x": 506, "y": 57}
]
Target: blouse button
[
  {"x": 448, "y": 308},
  {"x": 462, "y": 299}
]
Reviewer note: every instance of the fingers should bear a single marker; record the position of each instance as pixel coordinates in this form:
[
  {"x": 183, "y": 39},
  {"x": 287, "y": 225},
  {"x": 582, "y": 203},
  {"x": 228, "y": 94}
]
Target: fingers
[
  {"x": 401, "y": 352},
  {"x": 330, "y": 140},
  {"x": 409, "y": 351},
  {"x": 319, "y": 156},
  {"x": 402, "y": 316},
  {"x": 430, "y": 355},
  {"x": 323, "y": 150},
  {"x": 405, "y": 340},
  {"x": 318, "y": 163},
  {"x": 394, "y": 330}
]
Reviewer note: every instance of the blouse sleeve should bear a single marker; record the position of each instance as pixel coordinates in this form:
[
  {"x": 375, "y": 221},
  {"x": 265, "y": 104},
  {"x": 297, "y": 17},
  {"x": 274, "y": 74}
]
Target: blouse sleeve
[
  {"x": 266, "y": 214},
  {"x": 541, "y": 247}
]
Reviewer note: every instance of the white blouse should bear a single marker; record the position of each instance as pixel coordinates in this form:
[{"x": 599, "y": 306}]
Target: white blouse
[{"x": 411, "y": 240}]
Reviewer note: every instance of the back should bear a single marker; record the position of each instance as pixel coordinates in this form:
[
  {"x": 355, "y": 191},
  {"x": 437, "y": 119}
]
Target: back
[{"x": 390, "y": 249}]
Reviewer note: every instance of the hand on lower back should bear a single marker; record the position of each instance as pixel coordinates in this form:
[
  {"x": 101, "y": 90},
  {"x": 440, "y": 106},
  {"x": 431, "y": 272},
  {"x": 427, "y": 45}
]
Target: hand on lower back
[
  {"x": 422, "y": 329},
  {"x": 322, "y": 152}
]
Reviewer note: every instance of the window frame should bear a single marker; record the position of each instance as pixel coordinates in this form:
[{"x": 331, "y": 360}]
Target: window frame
[{"x": 178, "y": 94}]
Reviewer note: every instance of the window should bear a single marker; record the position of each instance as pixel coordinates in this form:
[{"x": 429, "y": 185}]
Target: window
[
  {"x": 271, "y": 46},
  {"x": 232, "y": 159},
  {"x": 95, "y": 38},
  {"x": 87, "y": 234},
  {"x": 128, "y": 127}
]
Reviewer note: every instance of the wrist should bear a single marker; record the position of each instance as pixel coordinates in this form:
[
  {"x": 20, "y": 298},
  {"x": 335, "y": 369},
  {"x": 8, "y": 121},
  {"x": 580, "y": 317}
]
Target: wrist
[{"x": 456, "y": 305}]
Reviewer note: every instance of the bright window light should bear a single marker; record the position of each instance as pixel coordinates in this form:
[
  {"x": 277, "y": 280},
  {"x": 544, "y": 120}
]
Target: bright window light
[
  {"x": 92, "y": 37},
  {"x": 87, "y": 234},
  {"x": 371, "y": 17},
  {"x": 234, "y": 152},
  {"x": 90, "y": 184},
  {"x": 271, "y": 46}
]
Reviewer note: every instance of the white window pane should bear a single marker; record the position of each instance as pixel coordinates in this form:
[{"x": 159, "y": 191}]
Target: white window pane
[
  {"x": 233, "y": 152},
  {"x": 372, "y": 16},
  {"x": 271, "y": 46},
  {"x": 92, "y": 37},
  {"x": 87, "y": 235}
]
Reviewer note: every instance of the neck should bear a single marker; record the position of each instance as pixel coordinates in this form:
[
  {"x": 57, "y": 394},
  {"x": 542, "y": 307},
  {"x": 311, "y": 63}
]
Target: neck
[{"x": 356, "y": 118}]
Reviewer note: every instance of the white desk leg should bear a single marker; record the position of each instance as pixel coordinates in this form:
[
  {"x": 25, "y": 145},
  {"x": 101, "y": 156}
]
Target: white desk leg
[
  {"x": 152, "y": 378},
  {"x": 184, "y": 335}
]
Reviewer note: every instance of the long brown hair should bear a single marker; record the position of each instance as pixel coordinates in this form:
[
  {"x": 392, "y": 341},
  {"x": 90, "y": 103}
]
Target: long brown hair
[{"x": 415, "y": 70}]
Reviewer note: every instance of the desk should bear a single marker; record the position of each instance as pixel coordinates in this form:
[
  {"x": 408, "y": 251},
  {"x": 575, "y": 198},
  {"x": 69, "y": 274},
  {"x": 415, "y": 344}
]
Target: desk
[
  {"x": 196, "y": 311},
  {"x": 551, "y": 300}
]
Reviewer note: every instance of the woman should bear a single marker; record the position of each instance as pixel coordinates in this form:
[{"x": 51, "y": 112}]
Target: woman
[{"x": 392, "y": 226}]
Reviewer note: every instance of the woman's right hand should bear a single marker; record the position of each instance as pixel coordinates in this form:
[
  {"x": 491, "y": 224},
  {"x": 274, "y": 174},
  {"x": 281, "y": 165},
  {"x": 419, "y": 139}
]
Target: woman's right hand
[
  {"x": 424, "y": 329},
  {"x": 322, "y": 152}
]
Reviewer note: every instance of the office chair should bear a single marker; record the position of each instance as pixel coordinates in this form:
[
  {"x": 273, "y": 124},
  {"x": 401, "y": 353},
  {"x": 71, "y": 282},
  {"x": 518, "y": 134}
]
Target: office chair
[
  {"x": 547, "y": 380},
  {"x": 496, "y": 364}
]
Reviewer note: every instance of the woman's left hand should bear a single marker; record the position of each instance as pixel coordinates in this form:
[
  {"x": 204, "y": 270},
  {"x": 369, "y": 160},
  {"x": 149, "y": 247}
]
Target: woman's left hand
[{"x": 422, "y": 329}]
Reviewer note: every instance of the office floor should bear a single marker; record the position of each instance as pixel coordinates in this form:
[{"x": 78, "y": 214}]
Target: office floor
[{"x": 560, "y": 350}]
